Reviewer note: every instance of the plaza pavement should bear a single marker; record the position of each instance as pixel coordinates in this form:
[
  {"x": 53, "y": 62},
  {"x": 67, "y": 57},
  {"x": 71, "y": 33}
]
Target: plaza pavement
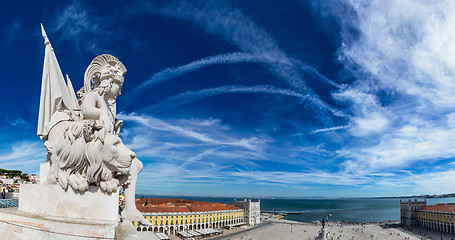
[{"x": 277, "y": 229}]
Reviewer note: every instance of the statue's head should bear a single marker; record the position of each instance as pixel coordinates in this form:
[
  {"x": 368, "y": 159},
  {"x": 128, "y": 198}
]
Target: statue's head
[{"x": 104, "y": 75}]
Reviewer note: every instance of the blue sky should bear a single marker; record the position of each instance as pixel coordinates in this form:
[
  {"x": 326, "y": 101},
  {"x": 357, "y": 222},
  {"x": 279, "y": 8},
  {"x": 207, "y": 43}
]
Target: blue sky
[{"x": 253, "y": 98}]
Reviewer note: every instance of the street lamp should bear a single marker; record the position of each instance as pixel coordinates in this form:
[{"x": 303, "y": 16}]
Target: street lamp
[{"x": 328, "y": 218}]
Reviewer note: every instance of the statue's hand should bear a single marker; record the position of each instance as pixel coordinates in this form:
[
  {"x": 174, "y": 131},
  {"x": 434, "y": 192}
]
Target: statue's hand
[{"x": 118, "y": 124}]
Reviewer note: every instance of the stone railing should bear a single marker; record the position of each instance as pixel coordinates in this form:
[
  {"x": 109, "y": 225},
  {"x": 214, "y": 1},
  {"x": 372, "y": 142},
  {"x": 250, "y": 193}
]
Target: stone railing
[
  {"x": 10, "y": 195},
  {"x": 6, "y": 203}
]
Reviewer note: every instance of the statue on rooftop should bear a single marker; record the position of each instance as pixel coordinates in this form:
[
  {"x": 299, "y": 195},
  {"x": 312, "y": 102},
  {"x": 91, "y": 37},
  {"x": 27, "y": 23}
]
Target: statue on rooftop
[{"x": 81, "y": 135}]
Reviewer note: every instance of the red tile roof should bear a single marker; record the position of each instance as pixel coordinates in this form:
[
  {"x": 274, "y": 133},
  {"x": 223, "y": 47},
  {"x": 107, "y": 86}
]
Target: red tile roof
[
  {"x": 150, "y": 208},
  {"x": 164, "y": 205},
  {"x": 180, "y": 205},
  {"x": 440, "y": 207}
]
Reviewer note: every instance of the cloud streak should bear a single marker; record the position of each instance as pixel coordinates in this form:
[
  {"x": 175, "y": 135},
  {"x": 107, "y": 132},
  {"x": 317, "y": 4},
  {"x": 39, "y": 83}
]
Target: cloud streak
[
  {"x": 329, "y": 129},
  {"x": 218, "y": 138},
  {"x": 175, "y": 72},
  {"x": 227, "y": 58},
  {"x": 219, "y": 18},
  {"x": 188, "y": 97}
]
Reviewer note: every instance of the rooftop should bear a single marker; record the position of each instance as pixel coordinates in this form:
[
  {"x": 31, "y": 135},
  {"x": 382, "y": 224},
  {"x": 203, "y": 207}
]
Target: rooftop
[
  {"x": 180, "y": 205},
  {"x": 440, "y": 207}
]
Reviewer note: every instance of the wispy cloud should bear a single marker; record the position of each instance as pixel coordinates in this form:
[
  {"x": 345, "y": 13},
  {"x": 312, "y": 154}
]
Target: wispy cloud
[
  {"x": 23, "y": 155},
  {"x": 402, "y": 102},
  {"x": 79, "y": 26},
  {"x": 329, "y": 129},
  {"x": 219, "y": 18},
  {"x": 157, "y": 124},
  {"x": 197, "y": 139},
  {"x": 17, "y": 122},
  {"x": 227, "y": 58},
  {"x": 371, "y": 183},
  {"x": 318, "y": 75},
  {"x": 11, "y": 31},
  {"x": 318, "y": 150},
  {"x": 175, "y": 72},
  {"x": 191, "y": 151},
  {"x": 187, "y": 97}
]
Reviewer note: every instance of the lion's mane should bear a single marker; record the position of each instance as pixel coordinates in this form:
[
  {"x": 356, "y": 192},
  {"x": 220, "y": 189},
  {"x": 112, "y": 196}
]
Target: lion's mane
[{"x": 78, "y": 153}]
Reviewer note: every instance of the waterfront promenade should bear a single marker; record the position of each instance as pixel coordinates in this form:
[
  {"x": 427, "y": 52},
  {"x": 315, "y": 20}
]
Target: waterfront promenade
[{"x": 277, "y": 229}]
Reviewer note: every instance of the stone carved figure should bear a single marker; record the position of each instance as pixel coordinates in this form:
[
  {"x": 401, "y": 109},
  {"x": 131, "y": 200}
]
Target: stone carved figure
[{"x": 82, "y": 135}]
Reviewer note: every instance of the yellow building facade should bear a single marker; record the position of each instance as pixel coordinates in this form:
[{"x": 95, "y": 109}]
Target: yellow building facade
[
  {"x": 173, "y": 222},
  {"x": 170, "y": 216},
  {"x": 436, "y": 220},
  {"x": 439, "y": 217}
]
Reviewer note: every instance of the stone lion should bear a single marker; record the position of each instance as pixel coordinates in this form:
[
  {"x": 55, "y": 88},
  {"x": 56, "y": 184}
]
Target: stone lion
[{"x": 81, "y": 153}]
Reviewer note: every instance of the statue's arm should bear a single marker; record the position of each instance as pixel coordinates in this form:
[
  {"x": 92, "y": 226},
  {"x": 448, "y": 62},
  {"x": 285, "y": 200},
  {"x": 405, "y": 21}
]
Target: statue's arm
[
  {"x": 89, "y": 107},
  {"x": 92, "y": 109}
]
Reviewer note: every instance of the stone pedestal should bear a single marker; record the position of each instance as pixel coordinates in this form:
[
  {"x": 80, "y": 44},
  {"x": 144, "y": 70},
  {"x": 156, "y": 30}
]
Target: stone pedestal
[
  {"x": 49, "y": 212},
  {"x": 322, "y": 234},
  {"x": 53, "y": 201},
  {"x": 19, "y": 225}
]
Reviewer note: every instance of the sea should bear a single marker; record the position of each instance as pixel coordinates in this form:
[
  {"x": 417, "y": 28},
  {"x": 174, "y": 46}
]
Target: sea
[{"x": 309, "y": 210}]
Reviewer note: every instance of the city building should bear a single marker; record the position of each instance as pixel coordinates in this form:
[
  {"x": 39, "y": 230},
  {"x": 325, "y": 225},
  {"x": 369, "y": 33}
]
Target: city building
[
  {"x": 440, "y": 217},
  {"x": 171, "y": 216},
  {"x": 33, "y": 178},
  {"x": 408, "y": 211},
  {"x": 6, "y": 180},
  {"x": 252, "y": 210}
]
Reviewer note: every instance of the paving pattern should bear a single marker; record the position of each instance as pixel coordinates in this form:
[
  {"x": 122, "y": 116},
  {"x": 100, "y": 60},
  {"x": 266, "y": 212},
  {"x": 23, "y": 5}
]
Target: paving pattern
[{"x": 289, "y": 230}]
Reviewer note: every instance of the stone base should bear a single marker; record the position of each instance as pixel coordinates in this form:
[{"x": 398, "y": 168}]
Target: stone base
[
  {"x": 53, "y": 201},
  {"x": 322, "y": 234},
  {"x": 127, "y": 231},
  {"x": 16, "y": 224}
]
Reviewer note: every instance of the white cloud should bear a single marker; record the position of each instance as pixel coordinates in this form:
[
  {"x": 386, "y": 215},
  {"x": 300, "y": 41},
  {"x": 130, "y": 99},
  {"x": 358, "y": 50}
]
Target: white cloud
[
  {"x": 24, "y": 155},
  {"x": 405, "y": 146},
  {"x": 21, "y": 150},
  {"x": 407, "y": 48},
  {"x": 18, "y": 122},
  {"x": 369, "y": 116},
  {"x": 402, "y": 101}
]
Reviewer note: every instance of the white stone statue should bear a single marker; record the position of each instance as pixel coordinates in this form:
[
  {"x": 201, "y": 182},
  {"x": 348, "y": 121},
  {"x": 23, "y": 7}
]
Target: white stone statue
[{"x": 82, "y": 135}]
